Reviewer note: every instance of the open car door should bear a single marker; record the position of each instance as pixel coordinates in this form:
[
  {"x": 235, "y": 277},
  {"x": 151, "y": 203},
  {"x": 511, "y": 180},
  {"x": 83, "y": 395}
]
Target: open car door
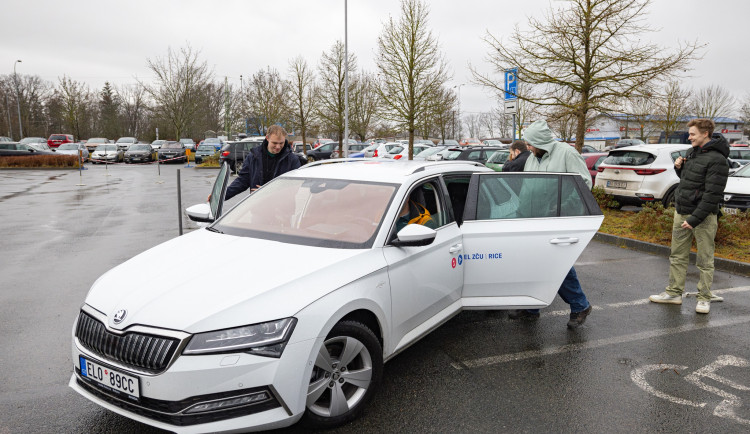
[
  {"x": 211, "y": 211},
  {"x": 521, "y": 234}
]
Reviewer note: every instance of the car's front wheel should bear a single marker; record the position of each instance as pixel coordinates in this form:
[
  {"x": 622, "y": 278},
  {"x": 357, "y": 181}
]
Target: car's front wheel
[{"x": 346, "y": 375}]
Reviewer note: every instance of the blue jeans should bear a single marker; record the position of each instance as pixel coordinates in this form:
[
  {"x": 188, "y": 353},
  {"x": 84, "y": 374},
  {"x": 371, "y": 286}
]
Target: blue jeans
[{"x": 572, "y": 293}]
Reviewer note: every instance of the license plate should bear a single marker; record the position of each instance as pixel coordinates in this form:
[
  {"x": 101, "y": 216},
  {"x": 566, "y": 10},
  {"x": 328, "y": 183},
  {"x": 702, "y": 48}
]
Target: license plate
[
  {"x": 725, "y": 210},
  {"x": 109, "y": 378},
  {"x": 617, "y": 184}
]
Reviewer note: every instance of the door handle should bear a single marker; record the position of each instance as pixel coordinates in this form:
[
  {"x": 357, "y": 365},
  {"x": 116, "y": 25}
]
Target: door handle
[
  {"x": 563, "y": 240},
  {"x": 455, "y": 248}
]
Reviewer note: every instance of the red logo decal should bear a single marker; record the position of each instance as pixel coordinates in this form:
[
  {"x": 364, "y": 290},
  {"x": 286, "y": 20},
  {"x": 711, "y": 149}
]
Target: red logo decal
[
  {"x": 453, "y": 262},
  {"x": 105, "y": 372}
]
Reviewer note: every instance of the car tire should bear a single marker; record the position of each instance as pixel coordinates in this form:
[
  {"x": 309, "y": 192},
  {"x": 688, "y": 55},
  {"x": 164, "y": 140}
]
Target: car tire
[
  {"x": 340, "y": 390},
  {"x": 668, "y": 199}
]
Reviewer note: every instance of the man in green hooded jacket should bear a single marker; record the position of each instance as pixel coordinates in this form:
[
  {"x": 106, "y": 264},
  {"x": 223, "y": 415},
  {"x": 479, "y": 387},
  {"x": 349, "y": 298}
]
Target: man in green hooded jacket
[{"x": 550, "y": 155}]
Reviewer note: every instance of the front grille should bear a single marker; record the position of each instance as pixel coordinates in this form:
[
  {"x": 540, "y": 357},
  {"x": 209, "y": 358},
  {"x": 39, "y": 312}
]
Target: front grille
[
  {"x": 741, "y": 201},
  {"x": 137, "y": 350}
]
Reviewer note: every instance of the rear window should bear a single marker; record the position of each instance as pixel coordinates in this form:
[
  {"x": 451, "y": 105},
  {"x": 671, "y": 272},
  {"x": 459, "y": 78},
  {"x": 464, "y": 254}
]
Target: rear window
[
  {"x": 58, "y": 137},
  {"x": 629, "y": 158}
]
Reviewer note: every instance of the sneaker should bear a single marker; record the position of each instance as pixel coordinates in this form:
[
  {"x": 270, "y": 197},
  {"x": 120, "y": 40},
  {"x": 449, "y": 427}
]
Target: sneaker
[
  {"x": 703, "y": 306},
  {"x": 577, "y": 319},
  {"x": 666, "y": 298},
  {"x": 523, "y": 314},
  {"x": 716, "y": 298}
]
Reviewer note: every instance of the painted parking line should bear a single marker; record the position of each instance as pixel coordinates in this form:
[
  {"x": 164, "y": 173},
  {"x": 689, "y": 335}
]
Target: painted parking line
[
  {"x": 512, "y": 357},
  {"x": 505, "y": 358},
  {"x": 642, "y": 301}
]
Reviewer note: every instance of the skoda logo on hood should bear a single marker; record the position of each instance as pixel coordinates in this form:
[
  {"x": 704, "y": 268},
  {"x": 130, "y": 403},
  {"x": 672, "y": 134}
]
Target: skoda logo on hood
[
  {"x": 120, "y": 315},
  {"x": 727, "y": 197}
]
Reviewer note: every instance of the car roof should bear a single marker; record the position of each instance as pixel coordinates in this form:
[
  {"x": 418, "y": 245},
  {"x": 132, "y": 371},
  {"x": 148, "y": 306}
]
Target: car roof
[{"x": 380, "y": 170}]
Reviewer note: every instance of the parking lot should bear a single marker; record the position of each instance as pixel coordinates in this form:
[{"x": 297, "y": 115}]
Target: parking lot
[{"x": 633, "y": 367}]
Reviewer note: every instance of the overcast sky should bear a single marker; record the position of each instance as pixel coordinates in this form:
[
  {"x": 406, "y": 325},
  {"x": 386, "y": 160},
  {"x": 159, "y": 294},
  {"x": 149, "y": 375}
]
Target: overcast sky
[{"x": 98, "y": 41}]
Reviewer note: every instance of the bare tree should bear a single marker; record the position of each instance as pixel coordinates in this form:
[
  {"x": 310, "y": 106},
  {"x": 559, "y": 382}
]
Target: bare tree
[
  {"x": 364, "y": 102},
  {"x": 75, "y": 98},
  {"x": 562, "y": 122},
  {"x": 487, "y": 120},
  {"x": 133, "y": 105},
  {"x": 639, "y": 111},
  {"x": 266, "y": 96},
  {"x": 181, "y": 78},
  {"x": 33, "y": 93},
  {"x": 303, "y": 96},
  {"x": 672, "y": 108},
  {"x": 585, "y": 54},
  {"x": 745, "y": 113},
  {"x": 711, "y": 102},
  {"x": 473, "y": 124},
  {"x": 443, "y": 110},
  {"x": 331, "y": 95},
  {"x": 503, "y": 121},
  {"x": 411, "y": 66}
]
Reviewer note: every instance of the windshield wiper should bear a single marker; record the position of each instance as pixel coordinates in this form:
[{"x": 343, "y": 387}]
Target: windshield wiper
[{"x": 213, "y": 229}]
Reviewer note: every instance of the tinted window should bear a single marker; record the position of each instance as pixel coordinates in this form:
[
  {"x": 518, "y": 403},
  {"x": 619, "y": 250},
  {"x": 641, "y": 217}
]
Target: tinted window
[
  {"x": 474, "y": 155},
  {"x": 629, "y": 158}
]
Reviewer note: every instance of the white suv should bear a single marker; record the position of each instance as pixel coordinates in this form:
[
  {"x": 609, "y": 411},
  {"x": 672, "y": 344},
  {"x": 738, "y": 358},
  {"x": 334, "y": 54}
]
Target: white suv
[
  {"x": 399, "y": 248},
  {"x": 641, "y": 173}
]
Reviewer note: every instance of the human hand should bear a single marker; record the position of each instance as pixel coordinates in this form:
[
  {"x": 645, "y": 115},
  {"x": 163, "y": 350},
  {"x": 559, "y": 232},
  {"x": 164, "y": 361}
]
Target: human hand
[
  {"x": 686, "y": 225},
  {"x": 256, "y": 187},
  {"x": 678, "y": 162},
  {"x": 209, "y": 198}
]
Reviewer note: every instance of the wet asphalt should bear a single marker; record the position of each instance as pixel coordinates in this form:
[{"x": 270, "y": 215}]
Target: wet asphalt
[{"x": 633, "y": 367}]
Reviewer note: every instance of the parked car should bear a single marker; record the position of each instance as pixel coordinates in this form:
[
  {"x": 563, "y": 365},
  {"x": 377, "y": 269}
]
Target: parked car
[
  {"x": 641, "y": 173},
  {"x": 480, "y": 153},
  {"x": 322, "y": 152},
  {"x": 307, "y": 339},
  {"x": 56, "y": 140},
  {"x": 737, "y": 192},
  {"x": 35, "y": 142},
  {"x": 320, "y": 142},
  {"x": 586, "y": 149},
  {"x": 156, "y": 144},
  {"x": 622, "y": 143},
  {"x": 124, "y": 142},
  {"x": 492, "y": 142},
  {"x": 353, "y": 148},
  {"x": 188, "y": 143},
  {"x": 298, "y": 148},
  {"x": 234, "y": 153},
  {"x": 73, "y": 149},
  {"x": 449, "y": 142},
  {"x": 740, "y": 154},
  {"x": 213, "y": 141},
  {"x": 593, "y": 161},
  {"x": 470, "y": 142},
  {"x": 172, "y": 152},
  {"x": 380, "y": 150},
  {"x": 140, "y": 153},
  {"x": 429, "y": 152},
  {"x": 13, "y": 149},
  {"x": 109, "y": 153},
  {"x": 91, "y": 144},
  {"x": 203, "y": 151},
  {"x": 402, "y": 152},
  {"x": 497, "y": 160},
  {"x": 5, "y": 139}
]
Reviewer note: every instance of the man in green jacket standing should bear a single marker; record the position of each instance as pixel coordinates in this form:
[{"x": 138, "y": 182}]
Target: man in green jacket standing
[
  {"x": 549, "y": 155},
  {"x": 703, "y": 176}
]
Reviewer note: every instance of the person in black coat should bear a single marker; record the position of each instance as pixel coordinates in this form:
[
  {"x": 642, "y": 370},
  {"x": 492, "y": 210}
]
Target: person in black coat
[
  {"x": 265, "y": 162},
  {"x": 520, "y": 152}
]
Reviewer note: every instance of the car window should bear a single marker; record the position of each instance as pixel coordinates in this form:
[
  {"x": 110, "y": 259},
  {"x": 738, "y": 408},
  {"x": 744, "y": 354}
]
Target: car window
[
  {"x": 458, "y": 188},
  {"x": 251, "y": 145},
  {"x": 423, "y": 206},
  {"x": 599, "y": 161},
  {"x": 451, "y": 154},
  {"x": 311, "y": 211},
  {"x": 678, "y": 154},
  {"x": 474, "y": 155},
  {"x": 629, "y": 158}
]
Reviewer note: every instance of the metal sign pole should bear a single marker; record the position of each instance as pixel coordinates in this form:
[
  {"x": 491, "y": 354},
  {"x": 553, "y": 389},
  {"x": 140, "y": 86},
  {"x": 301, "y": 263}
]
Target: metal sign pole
[
  {"x": 80, "y": 169},
  {"x": 179, "y": 201}
]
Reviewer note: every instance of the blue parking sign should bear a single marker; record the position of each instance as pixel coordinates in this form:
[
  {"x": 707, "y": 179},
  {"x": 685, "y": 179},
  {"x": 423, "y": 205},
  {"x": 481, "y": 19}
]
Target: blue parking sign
[{"x": 511, "y": 84}]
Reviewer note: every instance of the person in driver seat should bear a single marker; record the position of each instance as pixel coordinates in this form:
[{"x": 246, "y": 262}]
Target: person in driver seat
[{"x": 415, "y": 212}]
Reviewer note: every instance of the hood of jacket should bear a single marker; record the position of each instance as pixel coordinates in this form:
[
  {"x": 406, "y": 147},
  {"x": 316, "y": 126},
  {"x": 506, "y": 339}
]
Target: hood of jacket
[
  {"x": 718, "y": 144},
  {"x": 540, "y": 136},
  {"x": 258, "y": 150}
]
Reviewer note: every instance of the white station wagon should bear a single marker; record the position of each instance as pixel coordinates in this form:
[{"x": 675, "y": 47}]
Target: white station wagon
[{"x": 405, "y": 246}]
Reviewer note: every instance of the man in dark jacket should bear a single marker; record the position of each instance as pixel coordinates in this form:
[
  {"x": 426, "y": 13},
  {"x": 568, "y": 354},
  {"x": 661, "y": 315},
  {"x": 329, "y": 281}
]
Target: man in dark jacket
[
  {"x": 520, "y": 152},
  {"x": 703, "y": 176},
  {"x": 273, "y": 158}
]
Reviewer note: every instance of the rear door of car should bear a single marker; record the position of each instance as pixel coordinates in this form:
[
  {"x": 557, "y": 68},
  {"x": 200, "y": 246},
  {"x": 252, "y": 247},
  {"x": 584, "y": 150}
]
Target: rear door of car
[{"x": 521, "y": 234}]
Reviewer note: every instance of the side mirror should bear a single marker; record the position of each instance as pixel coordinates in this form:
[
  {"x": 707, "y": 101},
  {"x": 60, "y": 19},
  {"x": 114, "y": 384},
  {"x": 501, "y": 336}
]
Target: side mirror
[
  {"x": 414, "y": 235},
  {"x": 200, "y": 213}
]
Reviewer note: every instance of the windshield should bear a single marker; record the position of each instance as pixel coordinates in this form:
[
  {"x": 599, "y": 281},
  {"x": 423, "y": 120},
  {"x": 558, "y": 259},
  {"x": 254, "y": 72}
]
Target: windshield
[
  {"x": 743, "y": 172},
  {"x": 431, "y": 151},
  {"x": 140, "y": 148},
  {"x": 97, "y": 140},
  {"x": 451, "y": 154},
  {"x": 316, "y": 212},
  {"x": 126, "y": 140},
  {"x": 629, "y": 158},
  {"x": 212, "y": 140},
  {"x": 187, "y": 141},
  {"x": 32, "y": 140},
  {"x": 158, "y": 142},
  {"x": 106, "y": 148},
  {"x": 171, "y": 146},
  {"x": 68, "y": 146},
  {"x": 210, "y": 148},
  {"x": 396, "y": 150},
  {"x": 498, "y": 158}
]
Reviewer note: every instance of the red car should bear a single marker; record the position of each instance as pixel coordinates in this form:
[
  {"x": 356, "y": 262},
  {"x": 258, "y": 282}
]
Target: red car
[
  {"x": 56, "y": 140},
  {"x": 593, "y": 160},
  {"x": 470, "y": 142}
]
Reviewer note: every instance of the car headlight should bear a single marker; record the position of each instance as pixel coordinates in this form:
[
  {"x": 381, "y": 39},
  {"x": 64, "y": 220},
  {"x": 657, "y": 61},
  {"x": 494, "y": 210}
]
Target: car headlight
[{"x": 265, "y": 339}]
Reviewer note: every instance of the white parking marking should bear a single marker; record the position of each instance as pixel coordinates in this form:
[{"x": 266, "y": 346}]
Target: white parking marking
[
  {"x": 638, "y": 375},
  {"x": 504, "y": 358}
]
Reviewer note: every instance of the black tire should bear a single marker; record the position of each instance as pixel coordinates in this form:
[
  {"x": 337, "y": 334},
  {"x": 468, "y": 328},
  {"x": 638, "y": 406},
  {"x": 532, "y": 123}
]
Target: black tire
[
  {"x": 344, "y": 382},
  {"x": 668, "y": 199}
]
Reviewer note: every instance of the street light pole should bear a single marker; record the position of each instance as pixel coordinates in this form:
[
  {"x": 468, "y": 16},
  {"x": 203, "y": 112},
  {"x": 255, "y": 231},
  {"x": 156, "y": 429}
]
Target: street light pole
[
  {"x": 459, "y": 106},
  {"x": 18, "y": 100},
  {"x": 344, "y": 146}
]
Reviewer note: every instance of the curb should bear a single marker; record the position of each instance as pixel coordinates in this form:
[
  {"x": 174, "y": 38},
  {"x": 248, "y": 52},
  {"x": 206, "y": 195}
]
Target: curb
[
  {"x": 728, "y": 265},
  {"x": 39, "y": 168},
  {"x": 207, "y": 167}
]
